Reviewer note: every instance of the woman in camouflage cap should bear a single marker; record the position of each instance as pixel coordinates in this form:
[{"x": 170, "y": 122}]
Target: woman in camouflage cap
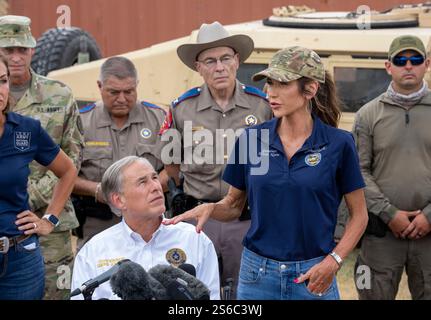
[{"x": 289, "y": 250}]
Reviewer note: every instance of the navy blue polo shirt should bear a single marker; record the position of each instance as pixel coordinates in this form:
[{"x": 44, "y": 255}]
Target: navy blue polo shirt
[
  {"x": 23, "y": 141},
  {"x": 294, "y": 204}
]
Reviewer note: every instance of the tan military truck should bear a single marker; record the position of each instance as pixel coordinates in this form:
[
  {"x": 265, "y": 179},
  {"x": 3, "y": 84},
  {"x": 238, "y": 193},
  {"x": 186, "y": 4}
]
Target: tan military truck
[{"x": 353, "y": 47}]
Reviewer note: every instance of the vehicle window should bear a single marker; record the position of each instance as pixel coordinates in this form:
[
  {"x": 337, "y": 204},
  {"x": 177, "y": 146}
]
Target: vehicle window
[
  {"x": 357, "y": 86},
  {"x": 247, "y": 70}
]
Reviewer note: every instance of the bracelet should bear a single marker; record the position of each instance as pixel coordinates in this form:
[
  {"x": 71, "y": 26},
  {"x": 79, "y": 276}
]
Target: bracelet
[
  {"x": 337, "y": 258},
  {"x": 96, "y": 193}
]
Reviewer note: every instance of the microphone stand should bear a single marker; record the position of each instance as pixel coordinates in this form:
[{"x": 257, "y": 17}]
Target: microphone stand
[
  {"x": 88, "y": 291},
  {"x": 88, "y": 294},
  {"x": 227, "y": 289}
]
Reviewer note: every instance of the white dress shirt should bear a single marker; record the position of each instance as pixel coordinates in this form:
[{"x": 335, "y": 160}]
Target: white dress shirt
[{"x": 120, "y": 242}]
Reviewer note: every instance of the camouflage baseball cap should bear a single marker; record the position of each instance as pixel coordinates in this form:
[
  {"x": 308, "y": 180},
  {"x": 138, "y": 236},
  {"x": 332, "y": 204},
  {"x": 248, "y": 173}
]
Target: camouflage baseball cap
[
  {"x": 293, "y": 63},
  {"x": 404, "y": 43},
  {"x": 15, "y": 32}
]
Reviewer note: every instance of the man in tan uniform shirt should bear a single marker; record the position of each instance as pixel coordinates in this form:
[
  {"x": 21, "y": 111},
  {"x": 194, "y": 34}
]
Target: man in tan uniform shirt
[
  {"x": 115, "y": 127},
  {"x": 222, "y": 102}
]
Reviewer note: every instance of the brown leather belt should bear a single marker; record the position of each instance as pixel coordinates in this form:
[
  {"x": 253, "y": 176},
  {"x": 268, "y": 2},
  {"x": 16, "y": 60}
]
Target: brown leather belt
[{"x": 7, "y": 243}]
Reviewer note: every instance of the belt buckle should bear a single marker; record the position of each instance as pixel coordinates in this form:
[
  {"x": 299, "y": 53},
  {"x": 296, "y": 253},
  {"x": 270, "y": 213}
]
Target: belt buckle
[{"x": 4, "y": 245}]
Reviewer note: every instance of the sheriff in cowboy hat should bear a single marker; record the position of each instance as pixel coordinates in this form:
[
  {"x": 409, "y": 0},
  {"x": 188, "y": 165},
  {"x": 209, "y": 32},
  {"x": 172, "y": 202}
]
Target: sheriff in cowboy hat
[{"x": 211, "y": 36}]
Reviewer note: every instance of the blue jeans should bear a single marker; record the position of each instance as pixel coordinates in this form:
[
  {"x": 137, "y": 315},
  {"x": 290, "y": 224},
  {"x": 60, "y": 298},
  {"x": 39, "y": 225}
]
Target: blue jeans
[
  {"x": 261, "y": 278},
  {"x": 22, "y": 272}
]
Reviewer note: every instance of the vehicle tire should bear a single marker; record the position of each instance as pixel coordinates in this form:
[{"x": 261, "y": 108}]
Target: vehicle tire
[{"x": 59, "y": 48}]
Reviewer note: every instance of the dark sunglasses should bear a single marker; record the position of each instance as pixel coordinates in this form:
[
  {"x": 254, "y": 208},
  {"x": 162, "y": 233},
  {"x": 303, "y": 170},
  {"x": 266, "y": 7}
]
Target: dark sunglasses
[{"x": 401, "y": 61}]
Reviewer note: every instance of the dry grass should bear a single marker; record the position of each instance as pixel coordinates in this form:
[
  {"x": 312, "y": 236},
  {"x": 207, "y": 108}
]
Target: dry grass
[{"x": 346, "y": 283}]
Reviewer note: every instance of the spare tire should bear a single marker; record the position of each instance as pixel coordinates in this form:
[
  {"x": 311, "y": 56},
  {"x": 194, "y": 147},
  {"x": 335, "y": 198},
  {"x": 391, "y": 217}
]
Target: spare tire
[{"x": 59, "y": 48}]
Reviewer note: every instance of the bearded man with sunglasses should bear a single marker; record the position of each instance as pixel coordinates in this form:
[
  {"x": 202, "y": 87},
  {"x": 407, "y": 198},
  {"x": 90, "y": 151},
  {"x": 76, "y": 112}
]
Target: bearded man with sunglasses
[{"x": 393, "y": 138}]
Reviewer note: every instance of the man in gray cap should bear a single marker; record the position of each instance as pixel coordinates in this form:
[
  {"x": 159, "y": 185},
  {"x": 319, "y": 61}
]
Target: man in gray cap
[
  {"x": 52, "y": 103},
  {"x": 222, "y": 102},
  {"x": 394, "y": 146}
]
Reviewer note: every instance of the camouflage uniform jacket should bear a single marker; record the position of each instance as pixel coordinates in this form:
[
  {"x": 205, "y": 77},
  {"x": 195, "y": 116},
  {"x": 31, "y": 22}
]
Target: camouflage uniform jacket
[{"x": 52, "y": 103}]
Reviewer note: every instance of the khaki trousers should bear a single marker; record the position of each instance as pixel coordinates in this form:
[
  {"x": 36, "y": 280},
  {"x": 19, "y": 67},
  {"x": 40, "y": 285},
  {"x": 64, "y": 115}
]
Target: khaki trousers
[
  {"x": 227, "y": 239},
  {"x": 93, "y": 226},
  {"x": 387, "y": 257}
]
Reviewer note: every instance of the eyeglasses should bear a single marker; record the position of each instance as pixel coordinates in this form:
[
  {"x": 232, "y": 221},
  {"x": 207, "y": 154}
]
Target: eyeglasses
[
  {"x": 401, "y": 61},
  {"x": 212, "y": 62}
]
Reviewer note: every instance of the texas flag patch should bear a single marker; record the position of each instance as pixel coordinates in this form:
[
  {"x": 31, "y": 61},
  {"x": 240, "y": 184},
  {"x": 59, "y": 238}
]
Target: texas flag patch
[{"x": 167, "y": 123}]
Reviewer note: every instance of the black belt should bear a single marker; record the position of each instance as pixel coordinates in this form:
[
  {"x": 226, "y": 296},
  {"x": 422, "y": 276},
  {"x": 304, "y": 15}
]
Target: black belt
[{"x": 7, "y": 243}]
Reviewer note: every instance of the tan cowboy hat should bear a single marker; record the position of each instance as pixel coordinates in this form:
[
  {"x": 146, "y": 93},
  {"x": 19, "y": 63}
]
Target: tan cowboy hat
[{"x": 211, "y": 36}]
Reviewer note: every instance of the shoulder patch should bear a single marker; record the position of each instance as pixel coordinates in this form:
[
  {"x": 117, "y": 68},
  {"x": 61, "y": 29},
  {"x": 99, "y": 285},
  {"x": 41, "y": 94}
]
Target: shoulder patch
[
  {"x": 167, "y": 123},
  {"x": 46, "y": 84},
  {"x": 255, "y": 92},
  {"x": 87, "y": 108},
  {"x": 151, "y": 105},
  {"x": 189, "y": 94}
]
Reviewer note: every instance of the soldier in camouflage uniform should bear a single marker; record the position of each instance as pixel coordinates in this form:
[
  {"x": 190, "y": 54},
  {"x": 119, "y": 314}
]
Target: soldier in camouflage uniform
[{"x": 52, "y": 103}]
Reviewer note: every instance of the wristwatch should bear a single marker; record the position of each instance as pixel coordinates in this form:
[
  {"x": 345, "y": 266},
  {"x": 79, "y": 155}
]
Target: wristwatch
[{"x": 51, "y": 218}]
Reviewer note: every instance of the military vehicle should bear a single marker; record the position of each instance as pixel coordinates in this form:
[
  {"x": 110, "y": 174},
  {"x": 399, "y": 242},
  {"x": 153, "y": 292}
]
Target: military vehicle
[{"x": 353, "y": 46}]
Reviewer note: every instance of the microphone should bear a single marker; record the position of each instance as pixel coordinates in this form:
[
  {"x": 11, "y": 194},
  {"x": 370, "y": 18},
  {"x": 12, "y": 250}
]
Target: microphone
[
  {"x": 132, "y": 282},
  {"x": 189, "y": 268},
  {"x": 179, "y": 284},
  {"x": 177, "y": 290},
  {"x": 89, "y": 286}
]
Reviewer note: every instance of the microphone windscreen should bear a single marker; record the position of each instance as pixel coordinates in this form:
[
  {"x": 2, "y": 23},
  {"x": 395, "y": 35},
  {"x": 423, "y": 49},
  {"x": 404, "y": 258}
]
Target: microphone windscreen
[
  {"x": 132, "y": 282},
  {"x": 189, "y": 268},
  {"x": 166, "y": 274},
  {"x": 179, "y": 291}
]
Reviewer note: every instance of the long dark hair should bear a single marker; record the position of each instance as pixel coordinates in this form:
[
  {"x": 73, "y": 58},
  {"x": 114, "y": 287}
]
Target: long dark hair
[
  {"x": 325, "y": 104},
  {"x": 3, "y": 60}
]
